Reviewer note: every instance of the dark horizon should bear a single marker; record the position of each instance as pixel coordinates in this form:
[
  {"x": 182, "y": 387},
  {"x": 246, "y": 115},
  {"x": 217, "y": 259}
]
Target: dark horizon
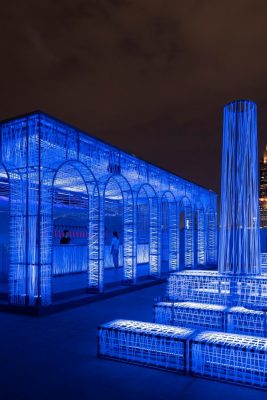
[{"x": 148, "y": 79}]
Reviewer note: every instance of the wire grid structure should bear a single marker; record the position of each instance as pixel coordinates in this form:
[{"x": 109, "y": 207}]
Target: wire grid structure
[
  {"x": 149, "y": 344},
  {"x": 200, "y": 287},
  {"x": 239, "y": 251},
  {"x": 191, "y": 315},
  {"x": 245, "y": 321},
  {"x": 263, "y": 258},
  {"x": 4, "y": 209},
  {"x": 147, "y": 235},
  {"x": 215, "y": 288},
  {"x": 169, "y": 231},
  {"x": 211, "y": 230},
  {"x": 213, "y": 317},
  {"x": 50, "y": 164},
  {"x": 199, "y": 236},
  {"x": 230, "y": 357},
  {"x": 250, "y": 291},
  {"x": 186, "y": 240}
]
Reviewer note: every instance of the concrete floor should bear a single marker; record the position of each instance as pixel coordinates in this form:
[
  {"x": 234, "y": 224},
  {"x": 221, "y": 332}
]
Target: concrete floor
[{"x": 54, "y": 357}]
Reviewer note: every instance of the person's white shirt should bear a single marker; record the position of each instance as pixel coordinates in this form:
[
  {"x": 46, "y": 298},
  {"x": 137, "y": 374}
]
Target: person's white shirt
[{"x": 115, "y": 243}]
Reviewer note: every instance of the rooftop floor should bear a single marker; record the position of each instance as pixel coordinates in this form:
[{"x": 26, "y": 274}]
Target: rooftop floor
[{"x": 55, "y": 357}]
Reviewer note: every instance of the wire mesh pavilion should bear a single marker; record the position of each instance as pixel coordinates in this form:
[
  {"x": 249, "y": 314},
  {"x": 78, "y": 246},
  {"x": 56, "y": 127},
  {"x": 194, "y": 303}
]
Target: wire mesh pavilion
[{"x": 55, "y": 177}]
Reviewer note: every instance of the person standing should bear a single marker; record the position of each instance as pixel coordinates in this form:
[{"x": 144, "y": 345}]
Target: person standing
[
  {"x": 115, "y": 245},
  {"x": 65, "y": 238}
]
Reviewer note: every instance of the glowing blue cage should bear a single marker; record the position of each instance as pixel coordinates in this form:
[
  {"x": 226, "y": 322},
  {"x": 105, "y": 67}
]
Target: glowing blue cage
[
  {"x": 54, "y": 177},
  {"x": 230, "y": 357},
  {"x": 160, "y": 346}
]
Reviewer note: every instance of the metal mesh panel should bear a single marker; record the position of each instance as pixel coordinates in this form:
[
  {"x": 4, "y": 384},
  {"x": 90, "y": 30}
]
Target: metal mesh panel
[
  {"x": 225, "y": 356},
  {"x": 169, "y": 230},
  {"x": 214, "y": 288},
  {"x": 200, "y": 255},
  {"x": 199, "y": 286},
  {"x": 147, "y": 228},
  {"x": 190, "y": 315},
  {"x": 243, "y": 320},
  {"x": 186, "y": 234},
  {"x": 145, "y": 343},
  {"x": 211, "y": 237}
]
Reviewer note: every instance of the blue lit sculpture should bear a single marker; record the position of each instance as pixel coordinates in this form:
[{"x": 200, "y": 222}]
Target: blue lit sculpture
[
  {"x": 239, "y": 251},
  {"x": 230, "y": 303},
  {"x": 55, "y": 177}
]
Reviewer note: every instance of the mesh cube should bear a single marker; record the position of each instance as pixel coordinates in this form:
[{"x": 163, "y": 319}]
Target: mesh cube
[
  {"x": 149, "y": 344},
  {"x": 230, "y": 357},
  {"x": 191, "y": 315},
  {"x": 250, "y": 291},
  {"x": 243, "y": 320}
]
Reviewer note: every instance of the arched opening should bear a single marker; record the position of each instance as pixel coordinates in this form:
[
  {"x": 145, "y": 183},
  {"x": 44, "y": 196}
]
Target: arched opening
[
  {"x": 118, "y": 217},
  {"x": 199, "y": 236},
  {"x": 4, "y": 231},
  {"x": 211, "y": 237},
  {"x": 186, "y": 252},
  {"x": 70, "y": 248},
  {"x": 147, "y": 233},
  {"x": 169, "y": 242}
]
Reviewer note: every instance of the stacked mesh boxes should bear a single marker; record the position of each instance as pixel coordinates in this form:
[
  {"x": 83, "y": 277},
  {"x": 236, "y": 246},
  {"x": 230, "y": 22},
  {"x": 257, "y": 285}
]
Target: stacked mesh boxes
[
  {"x": 230, "y": 357},
  {"x": 145, "y": 343},
  {"x": 193, "y": 315}
]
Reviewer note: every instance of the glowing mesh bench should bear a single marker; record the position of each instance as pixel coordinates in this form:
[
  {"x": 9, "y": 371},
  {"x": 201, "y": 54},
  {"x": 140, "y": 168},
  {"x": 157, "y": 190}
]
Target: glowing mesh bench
[
  {"x": 230, "y": 357},
  {"x": 191, "y": 315},
  {"x": 199, "y": 286},
  {"x": 243, "y": 320},
  {"x": 149, "y": 344}
]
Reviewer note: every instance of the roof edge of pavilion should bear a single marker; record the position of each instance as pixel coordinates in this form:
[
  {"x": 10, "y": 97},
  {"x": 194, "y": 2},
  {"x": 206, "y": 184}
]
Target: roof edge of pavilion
[{"x": 71, "y": 126}]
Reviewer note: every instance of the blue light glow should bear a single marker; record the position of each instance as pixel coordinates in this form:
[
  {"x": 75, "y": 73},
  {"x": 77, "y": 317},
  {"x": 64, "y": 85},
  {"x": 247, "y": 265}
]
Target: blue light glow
[
  {"x": 230, "y": 303},
  {"x": 57, "y": 178},
  {"x": 144, "y": 343},
  {"x": 219, "y": 355},
  {"x": 225, "y": 356},
  {"x": 239, "y": 250}
]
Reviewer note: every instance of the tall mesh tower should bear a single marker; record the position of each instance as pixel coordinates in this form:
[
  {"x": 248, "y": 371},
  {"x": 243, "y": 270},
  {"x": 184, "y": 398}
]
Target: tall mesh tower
[{"x": 239, "y": 251}]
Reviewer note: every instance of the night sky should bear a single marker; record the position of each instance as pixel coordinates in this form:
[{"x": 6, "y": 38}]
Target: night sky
[{"x": 148, "y": 76}]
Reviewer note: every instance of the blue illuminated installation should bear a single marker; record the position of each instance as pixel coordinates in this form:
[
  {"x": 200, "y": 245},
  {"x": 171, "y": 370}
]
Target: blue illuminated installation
[
  {"x": 161, "y": 346},
  {"x": 218, "y": 355},
  {"x": 239, "y": 250},
  {"x": 231, "y": 303},
  {"x": 54, "y": 177}
]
